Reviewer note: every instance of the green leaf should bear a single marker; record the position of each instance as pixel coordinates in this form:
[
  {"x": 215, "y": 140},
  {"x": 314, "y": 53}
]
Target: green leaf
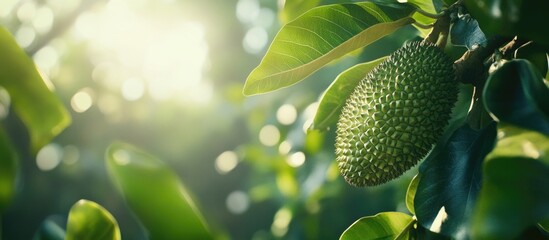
[
  {"x": 411, "y": 193},
  {"x": 512, "y": 17},
  {"x": 49, "y": 230},
  {"x": 8, "y": 170},
  {"x": 534, "y": 53},
  {"x": 293, "y": 8},
  {"x": 38, "y": 108},
  {"x": 155, "y": 194},
  {"x": 451, "y": 177},
  {"x": 516, "y": 93},
  {"x": 333, "y": 100},
  {"x": 321, "y": 35},
  {"x": 387, "y": 225},
  {"x": 514, "y": 193},
  {"x": 88, "y": 220}
]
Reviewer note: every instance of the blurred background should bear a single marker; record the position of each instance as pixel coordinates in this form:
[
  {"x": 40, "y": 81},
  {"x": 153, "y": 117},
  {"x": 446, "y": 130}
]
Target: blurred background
[{"x": 167, "y": 76}]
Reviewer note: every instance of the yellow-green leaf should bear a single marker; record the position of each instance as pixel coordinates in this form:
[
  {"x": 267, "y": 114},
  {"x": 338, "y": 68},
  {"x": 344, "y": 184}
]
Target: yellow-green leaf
[
  {"x": 37, "y": 106},
  {"x": 321, "y": 35},
  {"x": 382, "y": 226},
  {"x": 90, "y": 221}
]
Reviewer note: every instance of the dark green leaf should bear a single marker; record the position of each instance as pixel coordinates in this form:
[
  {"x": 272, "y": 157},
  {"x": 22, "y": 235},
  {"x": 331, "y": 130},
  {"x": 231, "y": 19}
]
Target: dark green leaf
[
  {"x": 155, "y": 194},
  {"x": 8, "y": 170},
  {"x": 40, "y": 110},
  {"x": 89, "y": 221},
  {"x": 534, "y": 53},
  {"x": 321, "y": 35},
  {"x": 514, "y": 193},
  {"x": 466, "y": 32},
  {"x": 333, "y": 100},
  {"x": 49, "y": 230},
  {"x": 450, "y": 178},
  {"x": 411, "y": 193},
  {"x": 293, "y": 8},
  {"x": 512, "y": 17},
  {"x": 516, "y": 93},
  {"x": 382, "y": 226}
]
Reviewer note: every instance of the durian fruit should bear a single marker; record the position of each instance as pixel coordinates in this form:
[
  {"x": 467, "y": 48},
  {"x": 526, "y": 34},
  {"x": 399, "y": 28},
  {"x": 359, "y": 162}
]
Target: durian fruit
[{"x": 395, "y": 115}]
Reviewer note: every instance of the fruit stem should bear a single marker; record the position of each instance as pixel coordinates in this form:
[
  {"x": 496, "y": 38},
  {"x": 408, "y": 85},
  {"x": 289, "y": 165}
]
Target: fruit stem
[{"x": 439, "y": 34}]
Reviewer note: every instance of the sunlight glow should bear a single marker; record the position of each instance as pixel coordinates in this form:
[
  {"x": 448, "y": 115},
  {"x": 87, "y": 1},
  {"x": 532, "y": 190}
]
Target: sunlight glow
[
  {"x": 133, "y": 89},
  {"x": 26, "y": 11},
  {"x": 167, "y": 52}
]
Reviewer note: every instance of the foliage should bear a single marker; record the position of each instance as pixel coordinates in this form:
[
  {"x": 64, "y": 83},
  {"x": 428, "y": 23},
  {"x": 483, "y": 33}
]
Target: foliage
[
  {"x": 465, "y": 187},
  {"x": 486, "y": 178}
]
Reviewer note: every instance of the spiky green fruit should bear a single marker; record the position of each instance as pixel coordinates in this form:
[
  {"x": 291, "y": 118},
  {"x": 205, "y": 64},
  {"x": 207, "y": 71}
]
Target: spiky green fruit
[{"x": 395, "y": 115}]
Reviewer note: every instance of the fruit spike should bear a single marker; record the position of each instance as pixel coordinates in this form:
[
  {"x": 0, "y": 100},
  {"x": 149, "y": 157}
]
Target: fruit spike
[{"x": 395, "y": 115}]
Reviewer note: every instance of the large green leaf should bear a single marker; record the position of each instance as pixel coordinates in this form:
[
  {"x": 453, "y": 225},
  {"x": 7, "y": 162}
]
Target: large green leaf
[
  {"x": 89, "y": 221},
  {"x": 333, "y": 100},
  {"x": 514, "y": 192},
  {"x": 40, "y": 110},
  {"x": 516, "y": 93},
  {"x": 512, "y": 17},
  {"x": 451, "y": 177},
  {"x": 155, "y": 194},
  {"x": 382, "y": 226},
  {"x": 293, "y": 8},
  {"x": 8, "y": 170},
  {"x": 321, "y": 35},
  {"x": 49, "y": 230}
]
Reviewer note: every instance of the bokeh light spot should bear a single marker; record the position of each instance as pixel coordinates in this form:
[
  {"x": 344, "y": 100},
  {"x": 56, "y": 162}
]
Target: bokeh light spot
[
  {"x": 71, "y": 155},
  {"x": 255, "y": 40},
  {"x": 26, "y": 11},
  {"x": 237, "y": 202},
  {"x": 82, "y": 101},
  {"x": 43, "y": 19},
  {"x": 226, "y": 162},
  {"x": 285, "y": 147},
  {"x": 296, "y": 159},
  {"x": 49, "y": 157},
  {"x": 269, "y": 135},
  {"x": 282, "y": 219},
  {"x": 247, "y": 11},
  {"x": 286, "y": 114},
  {"x": 25, "y": 36}
]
